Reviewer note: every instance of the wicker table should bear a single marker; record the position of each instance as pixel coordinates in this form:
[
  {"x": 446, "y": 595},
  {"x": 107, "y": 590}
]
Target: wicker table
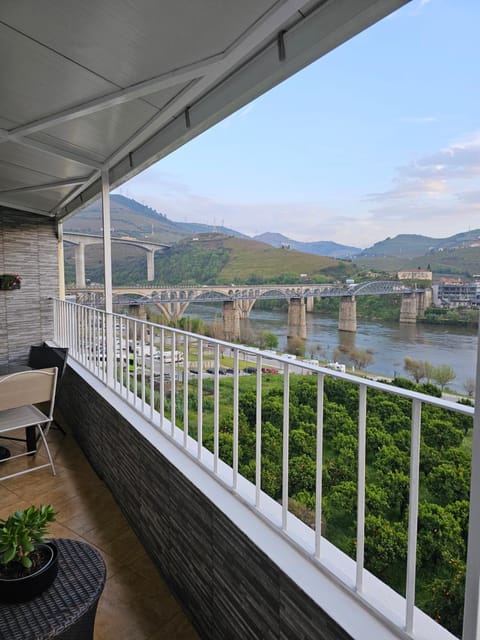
[{"x": 65, "y": 611}]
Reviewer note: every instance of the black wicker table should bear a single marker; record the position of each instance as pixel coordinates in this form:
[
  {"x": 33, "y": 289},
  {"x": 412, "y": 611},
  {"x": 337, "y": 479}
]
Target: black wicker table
[{"x": 66, "y": 611}]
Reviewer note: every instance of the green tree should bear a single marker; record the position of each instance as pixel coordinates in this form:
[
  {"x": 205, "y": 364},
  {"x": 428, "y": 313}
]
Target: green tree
[
  {"x": 449, "y": 482},
  {"x": 360, "y": 358},
  {"x": 301, "y": 474},
  {"x": 469, "y": 387},
  {"x": 385, "y": 544},
  {"x": 445, "y": 596},
  {"x": 270, "y": 340},
  {"x": 443, "y": 375},
  {"x": 416, "y": 368}
]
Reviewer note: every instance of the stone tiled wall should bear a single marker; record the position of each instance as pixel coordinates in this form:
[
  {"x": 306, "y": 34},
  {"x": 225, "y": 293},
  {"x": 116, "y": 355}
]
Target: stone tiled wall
[
  {"x": 28, "y": 247},
  {"x": 229, "y": 588}
]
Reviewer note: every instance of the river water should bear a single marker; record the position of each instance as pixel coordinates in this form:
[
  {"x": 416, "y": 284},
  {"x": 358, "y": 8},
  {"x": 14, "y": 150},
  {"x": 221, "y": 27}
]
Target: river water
[{"x": 389, "y": 342}]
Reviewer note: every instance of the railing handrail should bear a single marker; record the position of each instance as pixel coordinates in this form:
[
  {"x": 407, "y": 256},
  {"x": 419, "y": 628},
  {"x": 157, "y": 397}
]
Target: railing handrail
[{"x": 82, "y": 326}]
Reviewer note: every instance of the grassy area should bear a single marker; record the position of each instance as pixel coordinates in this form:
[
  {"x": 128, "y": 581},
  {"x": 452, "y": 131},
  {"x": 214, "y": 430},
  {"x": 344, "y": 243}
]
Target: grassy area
[{"x": 249, "y": 257}]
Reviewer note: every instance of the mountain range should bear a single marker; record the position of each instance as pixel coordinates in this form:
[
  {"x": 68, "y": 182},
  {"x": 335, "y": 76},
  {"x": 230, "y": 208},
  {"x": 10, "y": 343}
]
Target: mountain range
[{"x": 133, "y": 219}]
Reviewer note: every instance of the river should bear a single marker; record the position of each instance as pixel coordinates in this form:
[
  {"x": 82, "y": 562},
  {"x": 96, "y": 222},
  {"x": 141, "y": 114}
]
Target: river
[{"x": 389, "y": 342}]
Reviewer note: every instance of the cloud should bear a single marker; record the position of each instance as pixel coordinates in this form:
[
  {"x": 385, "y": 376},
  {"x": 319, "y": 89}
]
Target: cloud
[
  {"x": 436, "y": 194},
  {"x": 433, "y": 175}
]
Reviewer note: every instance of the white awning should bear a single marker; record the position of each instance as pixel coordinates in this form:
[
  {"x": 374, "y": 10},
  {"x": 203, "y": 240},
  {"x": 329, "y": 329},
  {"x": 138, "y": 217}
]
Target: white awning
[{"x": 116, "y": 85}]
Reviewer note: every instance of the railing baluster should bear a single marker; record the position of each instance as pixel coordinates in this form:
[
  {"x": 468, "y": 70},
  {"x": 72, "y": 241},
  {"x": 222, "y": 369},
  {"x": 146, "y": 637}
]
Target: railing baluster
[
  {"x": 199, "y": 399},
  {"x": 162, "y": 378},
  {"x": 185, "y": 391},
  {"x": 142, "y": 369},
  {"x": 362, "y": 420},
  {"x": 413, "y": 513},
  {"x": 286, "y": 428},
  {"x": 319, "y": 466},
  {"x": 236, "y": 380},
  {"x": 152, "y": 370},
  {"x": 135, "y": 371},
  {"x": 216, "y": 416},
  {"x": 258, "y": 431},
  {"x": 173, "y": 385}
]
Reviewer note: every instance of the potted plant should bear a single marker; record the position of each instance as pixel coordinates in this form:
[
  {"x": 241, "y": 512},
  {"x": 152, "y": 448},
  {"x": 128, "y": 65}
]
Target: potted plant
[
  {"x": 28, "y": 563},
  {"x": 9, "y": 281}
]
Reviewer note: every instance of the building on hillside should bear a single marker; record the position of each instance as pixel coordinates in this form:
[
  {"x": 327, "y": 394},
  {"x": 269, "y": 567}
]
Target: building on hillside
[
  {"x": 418, "y": 274},
  {"x": 464, "y": 294}
]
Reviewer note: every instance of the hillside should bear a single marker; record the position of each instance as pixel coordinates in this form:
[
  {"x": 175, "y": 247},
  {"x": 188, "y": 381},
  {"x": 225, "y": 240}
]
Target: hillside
[
  {"x": 319, "y": 248},
  {"x": 131, "y": 218},
  {"x": 412, "y": 245},
  {"x": 210, "y": 259}
]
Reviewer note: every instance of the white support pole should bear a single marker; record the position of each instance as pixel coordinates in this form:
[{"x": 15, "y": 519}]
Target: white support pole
[
  {"x": 151, "y": 265},
  {"x": 107, "y": 262},
  {"x": 471, "y": 614},
  {"x": 61, "y": 263},
  {"x": 80, "y": 266}
]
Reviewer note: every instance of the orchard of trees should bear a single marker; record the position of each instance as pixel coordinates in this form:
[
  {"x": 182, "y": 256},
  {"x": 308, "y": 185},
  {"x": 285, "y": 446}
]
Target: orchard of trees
[{"x": 444, "y": 474}]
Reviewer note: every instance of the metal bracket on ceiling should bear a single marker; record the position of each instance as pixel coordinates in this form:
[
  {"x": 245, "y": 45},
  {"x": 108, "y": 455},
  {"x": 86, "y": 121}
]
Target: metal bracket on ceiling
[
  {"x": 187, "y": 117},
  {"x": 130, "y": 159},
  {"x": 281, "y": 45}
]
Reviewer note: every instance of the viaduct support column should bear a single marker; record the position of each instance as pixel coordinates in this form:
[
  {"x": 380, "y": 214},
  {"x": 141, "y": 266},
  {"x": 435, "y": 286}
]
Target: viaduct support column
[
  {"x": 231, "y": 321},
  {"x": 310, "y": 302},
  {"x": 424, "y": 301},
  {"x": 151, "y": 265},
  {"x": 80, "y": 266},
  {"x": 244, "y": 307},
  {"x": 408, "y": 310},
  {"x": 347, "y": 317},
  {"x": 297, "y": 323}
]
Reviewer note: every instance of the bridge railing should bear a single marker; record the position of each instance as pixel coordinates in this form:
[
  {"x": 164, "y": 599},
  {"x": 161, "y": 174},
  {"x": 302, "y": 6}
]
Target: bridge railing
[{"x": 236, "y": 410}]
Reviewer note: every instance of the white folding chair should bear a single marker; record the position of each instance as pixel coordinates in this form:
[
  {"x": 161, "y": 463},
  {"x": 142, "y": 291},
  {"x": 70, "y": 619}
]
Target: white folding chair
[{"x": 19, "y": 393}]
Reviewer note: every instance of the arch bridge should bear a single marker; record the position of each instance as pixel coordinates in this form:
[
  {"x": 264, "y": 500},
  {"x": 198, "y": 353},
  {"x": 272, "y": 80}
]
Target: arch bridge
[{"x": 238, "y": 301}]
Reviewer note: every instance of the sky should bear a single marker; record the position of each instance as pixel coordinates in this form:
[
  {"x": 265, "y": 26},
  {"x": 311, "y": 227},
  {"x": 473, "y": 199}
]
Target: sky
[{"x": 379, "y": 137}]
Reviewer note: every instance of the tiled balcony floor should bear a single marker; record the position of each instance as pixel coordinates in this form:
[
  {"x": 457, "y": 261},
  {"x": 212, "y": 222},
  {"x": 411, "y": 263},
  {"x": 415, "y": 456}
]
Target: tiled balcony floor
[{"x": 136, "y": 603}]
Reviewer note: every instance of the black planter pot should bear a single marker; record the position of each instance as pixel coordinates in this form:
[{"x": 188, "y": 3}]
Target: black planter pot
[{"x": 27, "y": 587}]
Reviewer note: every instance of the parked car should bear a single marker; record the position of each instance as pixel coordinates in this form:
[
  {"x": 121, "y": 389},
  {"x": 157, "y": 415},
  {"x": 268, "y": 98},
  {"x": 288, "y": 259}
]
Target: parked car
[
  {"x": 269, "y": 370},
  {"x": 250, "y": 370}
]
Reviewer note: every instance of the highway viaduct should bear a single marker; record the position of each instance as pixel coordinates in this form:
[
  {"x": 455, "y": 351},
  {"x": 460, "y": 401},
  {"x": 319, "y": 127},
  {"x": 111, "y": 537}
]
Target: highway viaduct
[
  {"x": 238, "y": 301},
  {"x": 81, "y": 240}
]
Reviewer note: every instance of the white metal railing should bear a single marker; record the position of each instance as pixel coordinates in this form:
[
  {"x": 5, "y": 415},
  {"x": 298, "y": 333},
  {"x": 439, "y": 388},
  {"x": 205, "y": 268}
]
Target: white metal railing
[{"x": 151, "y": 363}]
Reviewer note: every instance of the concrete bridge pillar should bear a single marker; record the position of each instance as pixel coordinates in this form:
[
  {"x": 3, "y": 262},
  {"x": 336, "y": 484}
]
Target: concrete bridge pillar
[
  {"x": 172, "y": 310},
  {"x": 424, "y": 301},
  {"x": 151, "y": 265},
  {"x": 80, "y": 265},
  {"x": 244, "y": 307},
  {"x": 409, "y": 308},
  {"x": 297, "y": 322},
  {"x": 231, "y": 321},
  {"x": 347, "y": 317},
  {"x": 138, "y": 311},
  {"x": 310, "y": 303}
]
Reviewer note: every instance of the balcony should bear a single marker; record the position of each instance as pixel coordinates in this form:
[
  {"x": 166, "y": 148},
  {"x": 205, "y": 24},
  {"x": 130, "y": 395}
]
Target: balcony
[
  {"x": 136, "y": 602},
  {"x": 204, "y": 523},
  {"x": 235, "y": 552}
]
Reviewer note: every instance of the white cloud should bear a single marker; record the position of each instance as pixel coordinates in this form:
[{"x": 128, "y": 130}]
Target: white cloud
[{"x": 433, "y": 175}]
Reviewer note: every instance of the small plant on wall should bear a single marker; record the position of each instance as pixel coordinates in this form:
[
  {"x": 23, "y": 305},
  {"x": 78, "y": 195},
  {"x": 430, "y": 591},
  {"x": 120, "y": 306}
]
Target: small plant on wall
[{"x": 9, "y": 281}]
